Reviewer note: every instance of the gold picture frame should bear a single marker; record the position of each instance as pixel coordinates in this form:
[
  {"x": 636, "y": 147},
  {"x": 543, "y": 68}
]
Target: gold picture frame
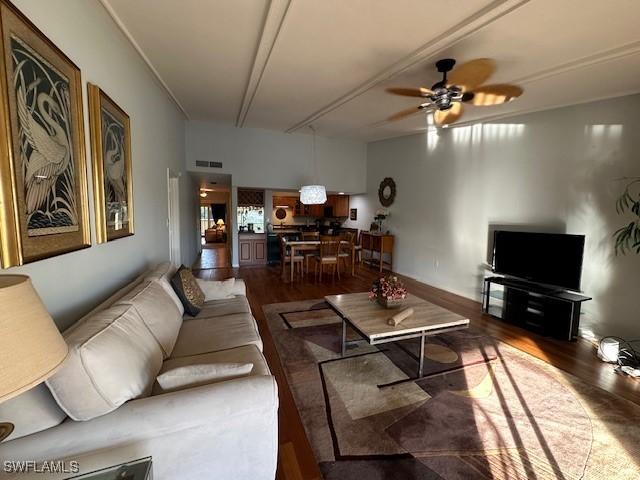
[
  {"x": 43, "y": 181},
  {"x": 112, "y": 180}
]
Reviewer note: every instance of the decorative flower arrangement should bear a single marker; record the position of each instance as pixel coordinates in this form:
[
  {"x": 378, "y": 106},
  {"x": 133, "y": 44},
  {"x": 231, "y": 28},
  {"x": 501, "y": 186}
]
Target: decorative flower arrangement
[{"x": 388, "y": 291}]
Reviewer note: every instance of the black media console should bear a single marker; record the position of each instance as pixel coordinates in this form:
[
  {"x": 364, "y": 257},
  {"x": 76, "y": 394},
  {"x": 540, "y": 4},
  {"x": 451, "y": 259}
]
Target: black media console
[{"x": 551, "y": 312}]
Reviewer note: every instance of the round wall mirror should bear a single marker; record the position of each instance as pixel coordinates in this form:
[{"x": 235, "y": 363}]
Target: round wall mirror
[
  {"x": 281, "y": 214},
  {"x": 387, "y": 192}
]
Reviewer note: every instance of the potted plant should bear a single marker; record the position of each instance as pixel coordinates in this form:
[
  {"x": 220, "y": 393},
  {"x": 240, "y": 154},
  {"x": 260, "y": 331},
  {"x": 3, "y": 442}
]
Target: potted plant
[
  {"x": 627, "y": 238},
  {"x": 388, "y": 292}
]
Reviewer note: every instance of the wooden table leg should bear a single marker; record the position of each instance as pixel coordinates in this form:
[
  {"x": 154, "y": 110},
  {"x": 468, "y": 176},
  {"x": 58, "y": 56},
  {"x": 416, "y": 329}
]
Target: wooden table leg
[
  {"x": 421, "y": 359},
  {"x": 344, "y": 336},
  {"x": 293, "y": 255},
  {"x": 353, "y": 261}
]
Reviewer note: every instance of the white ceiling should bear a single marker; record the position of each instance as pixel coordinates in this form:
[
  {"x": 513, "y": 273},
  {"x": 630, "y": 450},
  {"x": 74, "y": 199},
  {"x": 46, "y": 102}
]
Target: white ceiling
[{"x": 283, "y": 64}]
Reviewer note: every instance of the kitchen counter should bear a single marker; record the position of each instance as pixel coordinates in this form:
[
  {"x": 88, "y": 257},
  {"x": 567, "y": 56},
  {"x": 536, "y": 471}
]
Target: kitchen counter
[
  {"x": 284, "y": 231},
  {"x": 257, "y": 236}
]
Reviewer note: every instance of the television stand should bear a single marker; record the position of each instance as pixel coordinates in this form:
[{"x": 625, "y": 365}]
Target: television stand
[{"x": 551, "y": 312}]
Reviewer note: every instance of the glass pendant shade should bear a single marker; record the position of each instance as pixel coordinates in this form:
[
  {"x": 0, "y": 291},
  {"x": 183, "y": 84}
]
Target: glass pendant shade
[{"x": 313, "y": 194}]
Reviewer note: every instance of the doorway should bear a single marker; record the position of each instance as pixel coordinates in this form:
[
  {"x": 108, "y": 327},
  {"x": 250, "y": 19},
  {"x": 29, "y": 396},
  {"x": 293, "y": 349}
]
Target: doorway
[{"x": 214, "y": 225}]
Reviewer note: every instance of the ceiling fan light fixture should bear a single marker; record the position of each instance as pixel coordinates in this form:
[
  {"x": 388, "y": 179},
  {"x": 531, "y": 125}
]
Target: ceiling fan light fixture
[
  {"x": 465, "y": 84},
  {"x": 313, "y": 194}
]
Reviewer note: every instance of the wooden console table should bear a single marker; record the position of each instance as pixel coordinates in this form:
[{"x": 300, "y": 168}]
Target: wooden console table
[{"x": 378, "y": 243}]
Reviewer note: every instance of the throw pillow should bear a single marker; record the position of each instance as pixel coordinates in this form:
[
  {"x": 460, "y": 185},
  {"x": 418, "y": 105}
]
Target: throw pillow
[
  {"x": 217, "y": 290},
  {"x": 196, "y": 375},
  {"x": 188, "y": 290}
]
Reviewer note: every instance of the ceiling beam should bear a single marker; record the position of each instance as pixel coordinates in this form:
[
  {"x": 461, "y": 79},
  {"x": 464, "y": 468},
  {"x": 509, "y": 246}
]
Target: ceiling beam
[
  {"x": 632, "y": 48},
  {"x": 271, "y": 28},
  {"x": 470, "y": 25},
  {"x": 107, "y": 6}
]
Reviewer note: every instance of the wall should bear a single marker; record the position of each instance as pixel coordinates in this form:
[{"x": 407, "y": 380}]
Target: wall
[
  {"x": 71, "y": 284},
  {"x": 366, "y": 212},
  {"x": 548, "y": 171},
  {"x": 268, "y": 159}
]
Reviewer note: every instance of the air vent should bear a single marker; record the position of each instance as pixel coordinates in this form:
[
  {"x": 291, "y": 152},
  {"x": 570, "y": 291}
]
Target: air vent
[{"x": 203, "y": 163}]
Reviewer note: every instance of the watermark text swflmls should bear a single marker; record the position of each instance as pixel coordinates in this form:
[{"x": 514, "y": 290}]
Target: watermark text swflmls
[{"x": 48, "y": 466}]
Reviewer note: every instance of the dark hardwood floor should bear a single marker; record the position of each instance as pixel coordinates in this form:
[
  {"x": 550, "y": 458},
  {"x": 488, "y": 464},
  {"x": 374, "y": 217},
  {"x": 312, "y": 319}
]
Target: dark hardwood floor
[
  {"x": 265, "y": 285},
  {"x": 214, "y": 255}
]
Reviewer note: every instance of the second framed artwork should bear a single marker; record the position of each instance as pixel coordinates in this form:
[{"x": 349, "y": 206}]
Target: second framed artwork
[{"x": 112, "y": 180}]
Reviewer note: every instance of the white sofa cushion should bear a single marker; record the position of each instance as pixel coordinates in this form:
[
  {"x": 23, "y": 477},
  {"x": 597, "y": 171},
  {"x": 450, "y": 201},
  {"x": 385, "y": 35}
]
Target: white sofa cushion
[
  {"x": 163, "y": 273},
  {"x": 221, "y": 308},
  {"x": 32, "y": 411},
  {"x": 217, "y": 290},
  {"x": 113, "y": 357},
  {"x": 201, "y": 374},
  {"x": 158, "y": 311},
  {"x": 204, "y": 335}
]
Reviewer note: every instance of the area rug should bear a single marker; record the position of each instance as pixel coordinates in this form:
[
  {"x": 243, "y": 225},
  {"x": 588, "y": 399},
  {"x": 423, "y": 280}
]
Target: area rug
[{"x": 483, "y": 410}]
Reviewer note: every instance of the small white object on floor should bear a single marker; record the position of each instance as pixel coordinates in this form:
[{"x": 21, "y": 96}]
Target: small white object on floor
[
  {"x": 609, "y": 350},
  {"x": 400, "y": 316},
  {"x": 628, "y": 370}
]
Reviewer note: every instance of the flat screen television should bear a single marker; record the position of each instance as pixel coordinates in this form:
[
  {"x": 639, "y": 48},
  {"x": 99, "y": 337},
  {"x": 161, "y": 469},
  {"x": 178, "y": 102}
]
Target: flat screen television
[{"x": 546, "y": 258}]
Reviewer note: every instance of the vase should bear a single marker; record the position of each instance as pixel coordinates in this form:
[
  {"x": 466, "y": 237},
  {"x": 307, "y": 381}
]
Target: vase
[{"x": 387, "y": 303}]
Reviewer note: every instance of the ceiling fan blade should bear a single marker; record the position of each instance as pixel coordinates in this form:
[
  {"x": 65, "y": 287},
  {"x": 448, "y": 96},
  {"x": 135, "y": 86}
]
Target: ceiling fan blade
[
  {"x": 472, "y": 74},
  {"x": 494, "y": 94},
  {"x": 446, "y": 117},
  {"x": 410, "y": 92},
  {"x": 405, "y": 113}
]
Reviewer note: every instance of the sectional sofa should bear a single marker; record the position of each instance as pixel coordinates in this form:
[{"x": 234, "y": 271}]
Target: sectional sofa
[{"x": 105, "y": 407}]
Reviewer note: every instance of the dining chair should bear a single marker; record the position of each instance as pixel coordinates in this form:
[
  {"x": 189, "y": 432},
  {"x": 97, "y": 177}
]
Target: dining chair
[
  {"x": 286, "y": 258},
  {"x": 309, "y": 254},
  {"x": 357, "y": 247},
  {"x": 346, "y": 249},
  {"x": 328, "y": 256}
]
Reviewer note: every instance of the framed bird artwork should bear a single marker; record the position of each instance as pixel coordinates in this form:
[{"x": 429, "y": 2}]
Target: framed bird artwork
[
  {"x": 111, "y": 152},
  {"x": 43, "y": 186}
]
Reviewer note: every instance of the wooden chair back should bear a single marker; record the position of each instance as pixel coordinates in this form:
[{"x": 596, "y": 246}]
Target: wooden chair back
[
  {"x": 349, "y": 238},
  {"x": 329, "y": 246},
  {"x": 310, "y": 235}
]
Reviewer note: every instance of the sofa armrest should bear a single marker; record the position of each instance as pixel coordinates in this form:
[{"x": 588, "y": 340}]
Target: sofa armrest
[{"x": 223, "y": 430}]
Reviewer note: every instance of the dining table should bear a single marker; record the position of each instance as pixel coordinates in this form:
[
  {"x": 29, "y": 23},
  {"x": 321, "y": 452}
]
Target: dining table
[{"x": 311, "y": 245}]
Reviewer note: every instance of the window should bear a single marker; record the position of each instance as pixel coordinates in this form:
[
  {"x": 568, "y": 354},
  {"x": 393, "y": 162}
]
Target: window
[
  {"x": 205, "y": 219},
  {"x": 251, "y": 218}
]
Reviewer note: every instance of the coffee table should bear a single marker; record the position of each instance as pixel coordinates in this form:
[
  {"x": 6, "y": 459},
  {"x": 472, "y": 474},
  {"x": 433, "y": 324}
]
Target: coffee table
[{"x": 369, "y": 320}]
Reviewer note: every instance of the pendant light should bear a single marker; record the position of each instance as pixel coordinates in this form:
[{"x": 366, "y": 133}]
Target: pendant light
[{"x": 313, "y": 194}]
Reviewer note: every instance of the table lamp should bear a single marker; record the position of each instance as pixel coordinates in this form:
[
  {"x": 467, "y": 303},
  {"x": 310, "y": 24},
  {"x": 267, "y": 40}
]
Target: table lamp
[
  {"x": 220, "y": 222},
  {"x": 31, "y": 347}
]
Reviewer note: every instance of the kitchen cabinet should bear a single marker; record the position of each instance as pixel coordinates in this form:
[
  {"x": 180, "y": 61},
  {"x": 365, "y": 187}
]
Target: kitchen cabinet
[
  {"x": 316, "y": 210},
  {"x": 340, "y": 204},
  {"x": 252, "y": 249},
  {"x": 284, "y": 202},
  {"x": 301, "y": 210}
]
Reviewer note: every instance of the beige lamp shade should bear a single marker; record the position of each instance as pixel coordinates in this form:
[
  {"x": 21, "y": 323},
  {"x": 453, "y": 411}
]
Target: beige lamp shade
[
  {"x": 220, "y": 222},
  {"x": 31, "y": 347}
]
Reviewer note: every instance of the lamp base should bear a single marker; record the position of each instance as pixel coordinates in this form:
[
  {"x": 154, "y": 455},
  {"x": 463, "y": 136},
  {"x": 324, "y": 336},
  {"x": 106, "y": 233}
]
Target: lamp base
[{"x": 6, "y": 429}]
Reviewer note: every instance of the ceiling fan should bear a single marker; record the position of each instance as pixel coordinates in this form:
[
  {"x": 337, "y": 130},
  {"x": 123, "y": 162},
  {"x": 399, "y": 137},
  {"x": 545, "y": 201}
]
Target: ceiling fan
[{"x": 463, "y": 85}]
